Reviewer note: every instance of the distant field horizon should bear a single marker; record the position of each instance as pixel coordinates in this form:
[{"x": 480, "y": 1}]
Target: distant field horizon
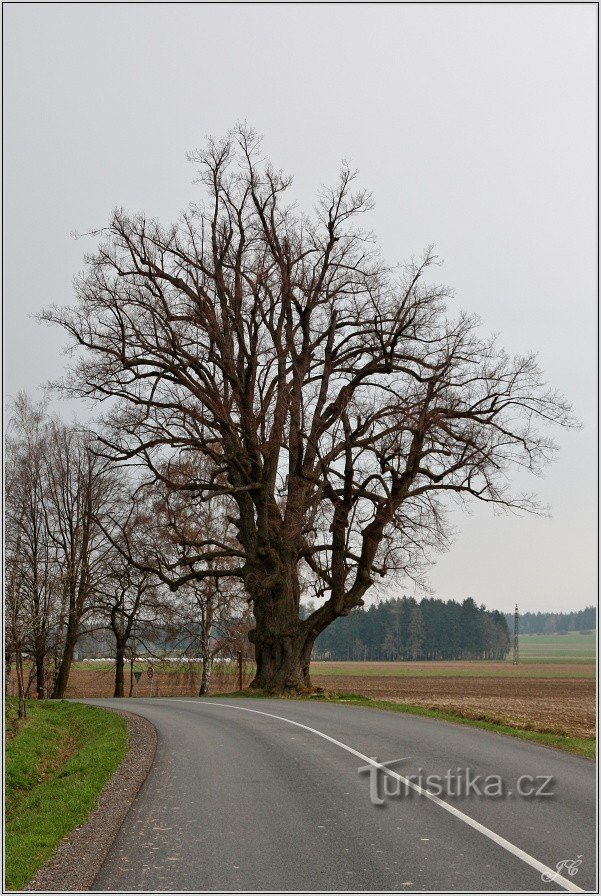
[{"x": 571, "y": 647}]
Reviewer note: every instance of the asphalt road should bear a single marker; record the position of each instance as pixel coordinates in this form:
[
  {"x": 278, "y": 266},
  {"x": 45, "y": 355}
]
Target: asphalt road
[{"x": 240, "y": 800}]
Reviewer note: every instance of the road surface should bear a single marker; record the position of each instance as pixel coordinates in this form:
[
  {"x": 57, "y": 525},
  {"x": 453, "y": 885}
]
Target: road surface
[{"x": 266, "y": 795}]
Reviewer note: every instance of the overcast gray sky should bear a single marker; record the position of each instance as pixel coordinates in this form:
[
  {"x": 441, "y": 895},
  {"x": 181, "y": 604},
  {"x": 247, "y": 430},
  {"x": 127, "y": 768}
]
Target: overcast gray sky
[{"x": 473, "y": 125}]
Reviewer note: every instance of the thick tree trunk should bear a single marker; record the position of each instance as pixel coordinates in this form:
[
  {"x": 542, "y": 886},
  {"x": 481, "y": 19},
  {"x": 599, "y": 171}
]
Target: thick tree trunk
[
  {"x": 280, "y": 638},
  {"x": 119, "y": 670},
  {"x": 283, "y": 642},
  {"x": 283, "y": 660}
]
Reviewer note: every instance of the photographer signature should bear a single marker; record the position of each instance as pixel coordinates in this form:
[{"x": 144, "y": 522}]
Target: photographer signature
[{"x": 569, "y": 866}]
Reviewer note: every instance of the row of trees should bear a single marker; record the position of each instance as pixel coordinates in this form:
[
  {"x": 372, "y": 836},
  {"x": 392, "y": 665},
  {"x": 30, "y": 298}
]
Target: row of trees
[
  {"x": 268, "y": 371},
  {"x": 85, "y": 551},
  {"x": 552, "y": 623},
  {"x": 402, "y": 629}
]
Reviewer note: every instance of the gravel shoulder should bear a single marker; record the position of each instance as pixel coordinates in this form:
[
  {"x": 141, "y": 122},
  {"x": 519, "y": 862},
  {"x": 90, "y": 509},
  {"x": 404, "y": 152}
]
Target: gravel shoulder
[{"x": 76, "y": 862}]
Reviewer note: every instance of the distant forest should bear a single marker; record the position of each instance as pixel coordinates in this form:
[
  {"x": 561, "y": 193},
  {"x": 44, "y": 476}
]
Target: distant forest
[
  {"x": 402, "y": 629},
  {"x": 555, "y": 623}
]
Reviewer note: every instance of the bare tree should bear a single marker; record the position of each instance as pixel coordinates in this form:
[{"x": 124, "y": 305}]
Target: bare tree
[
  {"x": 57, "y": 495},
  {"x": 130, "y": 596},
  {"x": 80, "y": 493},
  {"x": 128, "y": 600},
  {"x": 29, "y": 549},
  {"x": 176, "y": 527},
  {"x": 334, "y": 396},
  {"x": 201, "y": 621},
  {"x": 16, "y": 624}
]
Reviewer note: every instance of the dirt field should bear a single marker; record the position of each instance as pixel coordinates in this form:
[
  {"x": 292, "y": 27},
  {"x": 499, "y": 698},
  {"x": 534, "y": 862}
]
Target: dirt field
[{"x": 555, "y": 705}]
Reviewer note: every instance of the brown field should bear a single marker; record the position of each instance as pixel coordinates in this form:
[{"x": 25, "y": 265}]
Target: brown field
[
  {"x": 555, "y": 698},
  {"x": 554, "y": 705}
]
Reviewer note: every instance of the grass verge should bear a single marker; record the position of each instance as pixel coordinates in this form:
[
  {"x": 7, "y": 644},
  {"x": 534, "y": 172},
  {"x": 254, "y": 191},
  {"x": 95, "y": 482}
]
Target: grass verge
[
  {"x": 579, "y": 746},
  {"x": 57, "y": 762}
]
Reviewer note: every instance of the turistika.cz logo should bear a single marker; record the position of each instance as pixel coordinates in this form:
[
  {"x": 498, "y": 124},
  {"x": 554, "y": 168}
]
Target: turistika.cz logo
[{"x": 454, "y": 784}]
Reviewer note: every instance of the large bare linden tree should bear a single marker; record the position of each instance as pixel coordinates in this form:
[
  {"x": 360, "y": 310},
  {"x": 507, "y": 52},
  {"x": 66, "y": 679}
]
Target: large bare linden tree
[{"x": 333, "y": 400}]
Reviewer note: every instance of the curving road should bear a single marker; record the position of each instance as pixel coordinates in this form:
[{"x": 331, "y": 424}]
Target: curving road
[{"x": 266, "y": 795}]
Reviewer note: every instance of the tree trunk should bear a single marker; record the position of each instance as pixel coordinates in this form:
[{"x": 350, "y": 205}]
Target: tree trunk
[
  {"x": 119, "y": 670},
  {"x": 22, "y": 711},
  {"x": 8, "y": 665},
  {"x": 40, "y": 678},
  {"x": 205, "y": 678},
  {"x": 281, "y": 639},
  {"x": 62, "y": 678},
  {"x": 131, "y": 672},
  {"x": 283, "y": 660}
]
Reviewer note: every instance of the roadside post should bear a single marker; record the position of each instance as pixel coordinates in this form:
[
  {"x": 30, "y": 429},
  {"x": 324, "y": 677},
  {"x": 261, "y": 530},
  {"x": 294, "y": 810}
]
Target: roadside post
[{"x": 150, "y": 673}]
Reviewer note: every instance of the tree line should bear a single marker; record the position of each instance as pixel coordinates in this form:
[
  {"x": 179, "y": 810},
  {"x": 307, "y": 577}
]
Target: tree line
[
  {"x": 85, "y": 546},
  {"x": 542, "y": 623},
  {"x": 286, "y": 417},
  {"x": 403, "y": 629}
]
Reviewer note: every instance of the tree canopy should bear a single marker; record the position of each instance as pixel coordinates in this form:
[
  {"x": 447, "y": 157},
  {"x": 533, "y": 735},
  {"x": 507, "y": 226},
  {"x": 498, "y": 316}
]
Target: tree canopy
[{"x": 334, "y": 398}]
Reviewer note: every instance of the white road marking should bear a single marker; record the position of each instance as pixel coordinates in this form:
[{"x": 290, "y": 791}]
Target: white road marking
[{"x": 496, "y": 838}]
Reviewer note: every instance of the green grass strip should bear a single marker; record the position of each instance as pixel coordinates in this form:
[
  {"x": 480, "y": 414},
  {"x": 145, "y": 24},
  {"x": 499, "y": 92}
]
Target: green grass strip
[
  {"x": 579, "y": 746},
  {"x": 57, "y": 763}
]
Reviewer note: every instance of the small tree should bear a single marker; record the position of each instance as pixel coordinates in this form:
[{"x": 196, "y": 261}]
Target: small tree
[
  {"x": 184, "y": 526},
  {"x": 127, "y": 595},
  {"x": 81, "y": 492},
  {"x": 16, "y": 629},
  {"x": 203, "y": 617},
  {"x": 30, "y": 553},
  {"x": 337, "y": 399}
]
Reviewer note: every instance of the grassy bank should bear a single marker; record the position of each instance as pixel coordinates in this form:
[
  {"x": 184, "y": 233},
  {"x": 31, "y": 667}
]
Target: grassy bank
[
  {"x": 579, "y": 746},
  {"x": 57, "y": 762}
]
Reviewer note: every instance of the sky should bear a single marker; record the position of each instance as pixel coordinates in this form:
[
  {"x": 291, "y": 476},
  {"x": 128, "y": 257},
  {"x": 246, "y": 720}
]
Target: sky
[{"x": 474, "y": 126}]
